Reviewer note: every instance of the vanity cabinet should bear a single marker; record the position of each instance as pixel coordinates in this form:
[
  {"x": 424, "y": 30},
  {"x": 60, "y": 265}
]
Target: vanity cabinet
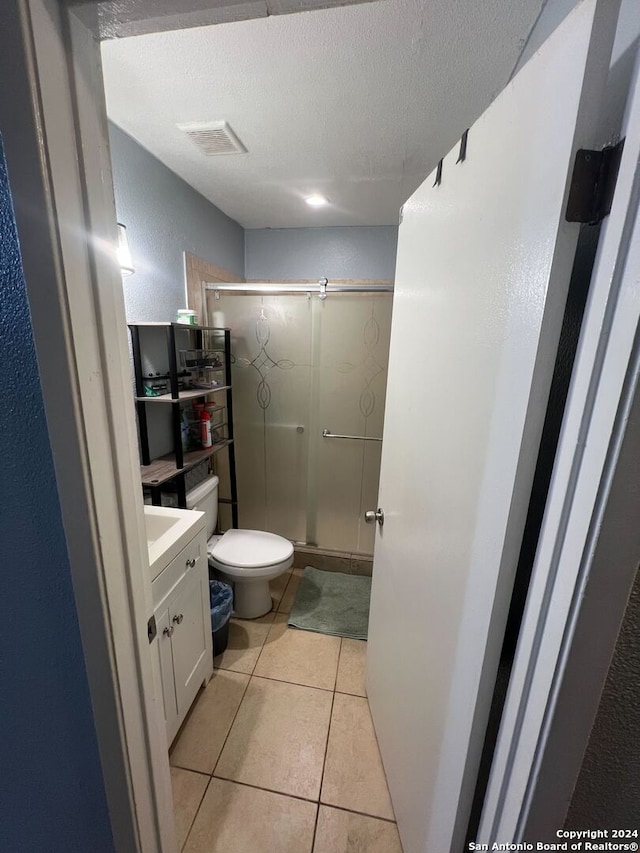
[{"x": 183, "y": 622}]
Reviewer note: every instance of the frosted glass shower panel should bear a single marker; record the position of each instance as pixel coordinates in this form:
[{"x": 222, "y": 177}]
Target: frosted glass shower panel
[
  {"x": 301, "y": 365},
  {"x": 351, "y": 381},
  {"x": 270, "y": 343}
]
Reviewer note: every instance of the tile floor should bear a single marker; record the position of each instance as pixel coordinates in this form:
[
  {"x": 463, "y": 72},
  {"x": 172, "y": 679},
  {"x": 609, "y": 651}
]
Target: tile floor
[{"x": 278, "y": 752}]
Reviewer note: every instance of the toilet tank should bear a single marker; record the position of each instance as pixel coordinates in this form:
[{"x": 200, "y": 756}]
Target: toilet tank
[{"x": 204, "y": 497}]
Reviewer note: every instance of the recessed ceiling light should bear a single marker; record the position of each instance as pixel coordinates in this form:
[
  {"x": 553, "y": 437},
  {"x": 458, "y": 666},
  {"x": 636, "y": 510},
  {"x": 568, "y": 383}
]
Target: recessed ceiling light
[{"x": 316, "y": 200}]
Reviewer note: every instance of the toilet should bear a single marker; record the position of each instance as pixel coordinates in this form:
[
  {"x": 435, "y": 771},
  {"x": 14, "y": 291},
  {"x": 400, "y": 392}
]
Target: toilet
[{"x": 248, "y": 559}]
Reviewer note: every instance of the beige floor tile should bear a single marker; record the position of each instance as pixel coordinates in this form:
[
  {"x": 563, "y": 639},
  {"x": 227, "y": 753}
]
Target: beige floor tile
[
  {"x": 246, "y": 638},
  {"x": 290, "y": 592},
  {"x": 237, "y": 819},
  {"x": 351, "y": 669},
  {"x": 345, "y": 832},
  {"x": 302, "y": 657},
  {"x": 353, "y": 774},
  {"x": 188, "y": 791},
  {"x": 278, "y": 738},
  {"x": 202, "y": 736},
  {"x": 278, "y": 586}
]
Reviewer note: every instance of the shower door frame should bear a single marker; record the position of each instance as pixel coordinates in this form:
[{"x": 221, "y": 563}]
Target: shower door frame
[{"x": 323, "y": 288}]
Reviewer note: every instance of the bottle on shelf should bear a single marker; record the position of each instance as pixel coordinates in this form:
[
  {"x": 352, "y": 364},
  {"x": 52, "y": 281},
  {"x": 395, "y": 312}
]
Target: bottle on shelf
[{"x": 205, "y": 428}]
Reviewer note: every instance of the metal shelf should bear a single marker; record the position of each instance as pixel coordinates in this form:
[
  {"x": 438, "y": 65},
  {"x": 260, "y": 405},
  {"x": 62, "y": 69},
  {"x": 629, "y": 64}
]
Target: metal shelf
[
  {"x": 183, "y": 396},
  {"x": 174, "y": 466},
  {"x": 164, "y": 468},
  {"x": 180, "y": 326}
]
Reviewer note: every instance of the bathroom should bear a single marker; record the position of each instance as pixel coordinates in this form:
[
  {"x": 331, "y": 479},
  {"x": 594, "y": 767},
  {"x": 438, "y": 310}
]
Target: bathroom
[
  {"x": 307, "y": 364},
  {"x": 301, "y": 364},
  {"x": 337, "y": 338}
]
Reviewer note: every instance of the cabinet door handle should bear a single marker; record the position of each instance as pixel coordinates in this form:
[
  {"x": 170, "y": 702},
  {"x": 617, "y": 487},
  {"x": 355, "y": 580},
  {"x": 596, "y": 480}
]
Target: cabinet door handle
[
  {"x": 190, "y": 563},
  {"x": 178, "y": 619},
  {"x": 168, "y": 632}
]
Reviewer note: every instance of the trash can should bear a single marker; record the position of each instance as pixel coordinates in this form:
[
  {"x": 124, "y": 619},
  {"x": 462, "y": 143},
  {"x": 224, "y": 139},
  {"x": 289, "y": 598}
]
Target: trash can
[{"x": 221, "y": 599}]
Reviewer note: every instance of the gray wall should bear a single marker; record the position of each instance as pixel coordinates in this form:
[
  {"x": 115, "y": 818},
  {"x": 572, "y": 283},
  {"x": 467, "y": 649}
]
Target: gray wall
[
  {"x": 165, "y": 217},
  {"x": 552, "y": 14},
  {"x": 310, "y": 253},
  {"x": 607, "y": 793},
  {"x": 622, "y": 60},
  {"x": 555, "y": 11}
]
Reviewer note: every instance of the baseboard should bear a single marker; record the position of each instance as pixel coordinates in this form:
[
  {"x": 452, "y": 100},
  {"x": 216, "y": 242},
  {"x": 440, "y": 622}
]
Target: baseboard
[{"x": 333, "y": 561}]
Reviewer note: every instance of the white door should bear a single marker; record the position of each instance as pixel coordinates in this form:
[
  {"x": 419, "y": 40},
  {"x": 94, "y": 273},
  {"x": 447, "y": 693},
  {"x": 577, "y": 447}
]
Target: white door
[{"x": 482, "y": 274}]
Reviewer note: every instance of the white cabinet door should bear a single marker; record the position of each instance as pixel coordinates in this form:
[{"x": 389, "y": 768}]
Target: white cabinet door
[
  {"x": 190, "y": 642},
  {"x": 483, "y": 268},
  {"x": 163, "y": 644}
]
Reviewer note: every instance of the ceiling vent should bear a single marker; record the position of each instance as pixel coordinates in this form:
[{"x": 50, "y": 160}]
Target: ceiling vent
[{"x": 213, "y": 137}]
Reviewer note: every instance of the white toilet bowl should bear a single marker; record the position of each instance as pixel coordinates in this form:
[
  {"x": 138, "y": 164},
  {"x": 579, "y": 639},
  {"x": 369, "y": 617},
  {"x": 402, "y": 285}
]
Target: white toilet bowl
[{"x": 248, "y": 559}]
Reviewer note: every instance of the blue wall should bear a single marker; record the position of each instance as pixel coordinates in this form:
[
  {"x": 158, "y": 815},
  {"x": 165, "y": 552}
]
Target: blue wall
[
  {"x": 310, "y": 253},
  {"x": 52, "y": 794},
  {"x": 165, "y": 217}
]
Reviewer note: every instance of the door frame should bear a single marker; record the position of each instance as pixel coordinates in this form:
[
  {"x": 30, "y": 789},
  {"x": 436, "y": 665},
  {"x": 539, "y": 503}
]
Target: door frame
[
  {"x": 591, "y": 471},
  {"x": 58, "y": 157},
  {"x": 56, "y": 146}
]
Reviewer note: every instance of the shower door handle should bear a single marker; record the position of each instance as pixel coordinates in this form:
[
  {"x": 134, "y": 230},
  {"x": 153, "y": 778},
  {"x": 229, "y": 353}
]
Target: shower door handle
[{"x": 372, "y": 516}]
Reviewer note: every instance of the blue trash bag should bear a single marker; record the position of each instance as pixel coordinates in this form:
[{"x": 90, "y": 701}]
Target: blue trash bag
[{"x": 221, "y": 598}]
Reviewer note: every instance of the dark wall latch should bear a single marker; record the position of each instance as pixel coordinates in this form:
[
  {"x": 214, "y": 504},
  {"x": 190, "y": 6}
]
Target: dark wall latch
[
  {"x": 152, "y": 629},
  {"x": 593, "y": 184},
  {"x": 438, "y": 179}
]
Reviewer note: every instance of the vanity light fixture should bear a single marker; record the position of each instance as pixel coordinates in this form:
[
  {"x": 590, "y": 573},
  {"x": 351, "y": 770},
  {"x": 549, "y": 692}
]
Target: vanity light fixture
[
  {"x": 316, "y": 200},
  {"x": 124, "y": 253}
]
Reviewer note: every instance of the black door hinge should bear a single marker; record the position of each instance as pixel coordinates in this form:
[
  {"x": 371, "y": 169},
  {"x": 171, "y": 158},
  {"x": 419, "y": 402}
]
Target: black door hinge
[
  {"x": 152, "y": 629},
  {"x": 593, "y": 184}
]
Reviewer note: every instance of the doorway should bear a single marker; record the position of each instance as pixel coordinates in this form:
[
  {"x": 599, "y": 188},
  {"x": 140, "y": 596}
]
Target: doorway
[{"x": 116, "y": 370}]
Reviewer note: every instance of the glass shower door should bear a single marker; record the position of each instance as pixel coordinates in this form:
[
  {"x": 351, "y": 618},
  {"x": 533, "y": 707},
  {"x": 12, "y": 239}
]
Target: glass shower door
[
  {"x": 271, "y": 380},
  {"x": 351, "y": 386},
  {"x": 302, "y": 365}
]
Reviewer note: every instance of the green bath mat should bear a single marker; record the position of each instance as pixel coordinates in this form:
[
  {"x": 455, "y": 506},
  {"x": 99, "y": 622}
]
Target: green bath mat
[{"x": 332, "y": 603}]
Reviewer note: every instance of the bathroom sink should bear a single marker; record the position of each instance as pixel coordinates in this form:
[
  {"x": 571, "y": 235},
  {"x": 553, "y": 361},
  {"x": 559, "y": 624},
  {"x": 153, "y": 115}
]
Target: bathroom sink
[
  {"x": 157, "y": 525},
  {"x": 169, "y": 530}
]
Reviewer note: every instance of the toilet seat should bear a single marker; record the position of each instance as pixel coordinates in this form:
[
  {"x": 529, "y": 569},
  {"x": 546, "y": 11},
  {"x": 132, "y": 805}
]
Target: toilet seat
[{"x": 249, "y": 552}]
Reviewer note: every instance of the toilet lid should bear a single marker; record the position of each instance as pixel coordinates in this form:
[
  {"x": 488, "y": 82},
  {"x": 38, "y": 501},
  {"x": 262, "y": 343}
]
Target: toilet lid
[{"x": 251, "y": 548}]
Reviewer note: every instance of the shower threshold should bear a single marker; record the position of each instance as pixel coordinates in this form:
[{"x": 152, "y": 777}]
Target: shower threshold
[{"x": 332, "y": 561}]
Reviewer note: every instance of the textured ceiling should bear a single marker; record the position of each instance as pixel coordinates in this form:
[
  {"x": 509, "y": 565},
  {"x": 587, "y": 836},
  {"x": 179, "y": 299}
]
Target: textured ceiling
[
  {"x": 357, "y": 103},
  {"x": 120, "y": 18}
]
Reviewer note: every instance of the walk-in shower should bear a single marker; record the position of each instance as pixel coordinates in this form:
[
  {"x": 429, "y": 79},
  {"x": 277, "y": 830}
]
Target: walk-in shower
[{"x": 309, "y": 376}]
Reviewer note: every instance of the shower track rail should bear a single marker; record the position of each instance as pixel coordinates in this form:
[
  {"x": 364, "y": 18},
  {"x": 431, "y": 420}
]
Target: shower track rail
[
  {"x": 322, "y": 287},
  {"x": 327, "y": 434}
]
